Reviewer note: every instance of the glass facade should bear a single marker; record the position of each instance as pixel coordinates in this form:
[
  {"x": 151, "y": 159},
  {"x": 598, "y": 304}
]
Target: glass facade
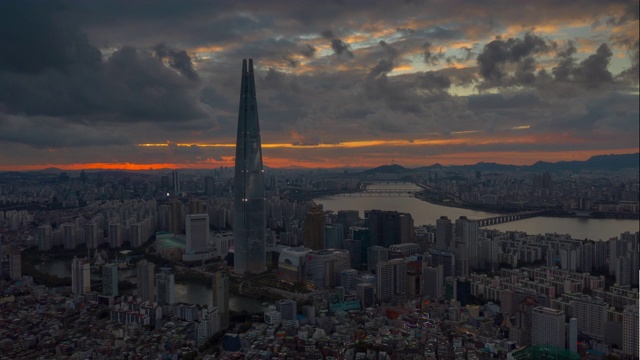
[{"x": 249, "y": 212}]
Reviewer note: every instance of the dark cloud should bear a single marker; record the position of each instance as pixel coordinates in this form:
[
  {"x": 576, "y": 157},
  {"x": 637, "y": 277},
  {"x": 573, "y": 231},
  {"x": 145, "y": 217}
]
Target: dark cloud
[
  {"x": 179, "y": 60},
  {"x": 430, "y": 57},
  {"x": 339, "y": 47},
  {"x": 33, "y": 39},
  {"x": 308, "y": 50},
  {"x": 499, "y": 53},
  {"x": 433, "y": 81}
]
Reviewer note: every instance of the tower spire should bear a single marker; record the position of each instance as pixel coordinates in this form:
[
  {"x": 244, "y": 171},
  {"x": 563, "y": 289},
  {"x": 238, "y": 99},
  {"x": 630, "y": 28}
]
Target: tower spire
[{"x": 249, "y": 214}]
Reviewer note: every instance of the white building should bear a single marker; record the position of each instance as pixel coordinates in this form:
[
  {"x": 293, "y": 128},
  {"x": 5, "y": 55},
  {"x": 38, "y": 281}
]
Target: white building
[
  {"x": 145, "y": 272},
  {"x": 391, "y": 279},
  {"x": 110, "y": 279},
  {"x": 547, "y": 327},
  {"x": 80, "y": 276},
  {"x": 197, "y": 229},
  {"x": 591, "y": 313}
]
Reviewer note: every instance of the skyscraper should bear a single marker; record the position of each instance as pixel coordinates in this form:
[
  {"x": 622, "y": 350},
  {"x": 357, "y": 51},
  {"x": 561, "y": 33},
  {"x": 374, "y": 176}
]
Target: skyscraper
[
  {"x": 15, "y": 262},
  {"x": 165, "y": 287},
  {"x": 313, "y": 228},
  {"x": 80, "y": 276},
  {"x": 197, "y": 226},
  {"x": 249, "y": 223},
  {"x": 110, "y": 279},
  {"x": 145, "y": 272},
  {"x": 221, "y": 296}
]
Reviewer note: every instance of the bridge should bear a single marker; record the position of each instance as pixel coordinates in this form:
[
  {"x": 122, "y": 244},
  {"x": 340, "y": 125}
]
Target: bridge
[
  {"x": 381, "y": 192},
  {"x": 508, "y": 217}
]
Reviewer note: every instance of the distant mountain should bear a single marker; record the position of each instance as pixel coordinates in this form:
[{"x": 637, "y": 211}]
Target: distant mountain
[
  {"x": 595, "y": 163},
  {"x": 387, "y": 169}
]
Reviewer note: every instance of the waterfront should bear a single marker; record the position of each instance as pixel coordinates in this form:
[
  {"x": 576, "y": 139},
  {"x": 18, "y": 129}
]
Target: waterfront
[{"x": 424, "y": 213}]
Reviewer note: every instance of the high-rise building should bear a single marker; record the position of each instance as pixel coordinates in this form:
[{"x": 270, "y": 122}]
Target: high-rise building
[
  {"x": 630, "y": 333},
  {"x": 348, "y": 218},
  {"x": 145, "y": 272},
  {"x": 177, "y": 217},
  {"x": 313, "y": 228},
  {"x": 80, "y": 276},
  {"x": 175, "y": 176},
  {"x": 15, "y": 262},
  {"x": 433, "y": 279},
  {"x": 110, "y": 279},
  {"x": 249, "y": 225},
  {"x": 444, "y": 233},
  {"x": 323, "y": 267},
  {"x": 221, "y": 297},
  {"x": 209, "y": 185},
  {"x": 591, "y": 313},
  {"x": 366, "y": 295},
  {"x": 467, "y": 231},
  {"x": 287, "y": 309},
  {"x": 197, "y": 229},
  {"x": 375, "y": 255},
  {"x": 44, "y": 237},
  {"x": 364, "y": 236},
  {"x": 354, "y": 249},
  {"x": 165, "y": 287},
  {"x": 91, "y": 237},
  {"x": 333, "y": 236},
  {"x": 389, "y": 227},
  {"x": 391, "y": 279},
  {"x": 348, "y": 279},
  {"x": 547, "y": 327}
]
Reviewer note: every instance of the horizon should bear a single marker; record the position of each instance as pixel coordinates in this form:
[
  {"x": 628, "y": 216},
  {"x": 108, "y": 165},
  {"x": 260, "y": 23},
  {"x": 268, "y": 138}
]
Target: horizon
[
  {"x": 133, "y": 167},
  {"x": 87, "y": 85}
]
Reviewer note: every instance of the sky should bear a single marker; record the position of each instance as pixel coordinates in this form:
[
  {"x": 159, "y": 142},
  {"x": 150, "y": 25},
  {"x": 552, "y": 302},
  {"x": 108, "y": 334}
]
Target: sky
[{"x": 141, "y": 85}]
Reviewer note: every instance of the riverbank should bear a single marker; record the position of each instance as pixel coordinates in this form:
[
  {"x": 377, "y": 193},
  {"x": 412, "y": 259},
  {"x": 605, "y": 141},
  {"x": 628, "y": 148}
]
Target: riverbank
[{"x": 560, "y": 213}]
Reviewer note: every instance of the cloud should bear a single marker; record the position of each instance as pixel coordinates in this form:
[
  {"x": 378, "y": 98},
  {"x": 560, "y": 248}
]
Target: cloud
[
  {"x": 178, "y": 60},
  {"x": 339, "y": 47},
  {"x": 498, "y": 53}
]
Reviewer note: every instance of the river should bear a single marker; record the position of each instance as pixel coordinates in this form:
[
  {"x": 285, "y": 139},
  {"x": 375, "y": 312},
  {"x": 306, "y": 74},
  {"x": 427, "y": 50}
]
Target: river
[{"x": 424, "y": 213}]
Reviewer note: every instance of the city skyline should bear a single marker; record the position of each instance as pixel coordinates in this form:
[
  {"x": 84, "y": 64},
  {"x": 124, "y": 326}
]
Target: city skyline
[{"x": 137, "y": 87}]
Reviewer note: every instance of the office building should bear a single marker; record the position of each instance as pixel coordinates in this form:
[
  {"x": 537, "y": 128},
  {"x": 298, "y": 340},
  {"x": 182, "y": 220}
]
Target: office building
[
  {"x": 363, "y": 235},
  {"x": 375, "y": 255},
  {"x": 348, "y": 218},
  {"x": 80, "y": 276},
  {"x": 220, "y": 286},
  {"x": 146, "y": 288},
  {"x": 467, "y": 232},
  {"x": 165, "y": 287},
  {"x": 433, "y": 282},
  {"x": 366, "y": 295},
  {"x": 249, "y": 225},
  {"x": 312, "y": 229},
  {"x": 444, "y": 233},
  {"x": 323, "y": 267},
  {"x": 391, "y": 279},
  {"x": 354, "y": 248},
  {"x": 175, "y": 176},
  {"x": 348, "y": 279},
  {"x": 547, "y": 327},
  {"x": 197, "y": 229},
  {"x": 333, "y": 236},
  {"x": 110, "y": 279},
  {"x": 287, "y": 309},
  {"x": 291, "y": 264},
  {"x": 389, "y": 227}
]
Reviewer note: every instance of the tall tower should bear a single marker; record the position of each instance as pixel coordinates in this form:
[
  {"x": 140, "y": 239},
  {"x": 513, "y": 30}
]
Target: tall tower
[
  {"x": 313, "y": 228},
  {"x": 80, "y": 276},
  {"x": 221, "y": 296},
  {"x": 249, "y": 223},
  {"x": 145, "y": 272}
]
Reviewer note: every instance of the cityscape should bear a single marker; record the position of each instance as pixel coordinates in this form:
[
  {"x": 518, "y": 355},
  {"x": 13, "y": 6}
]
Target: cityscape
[{"x": 479, "y": 200}]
